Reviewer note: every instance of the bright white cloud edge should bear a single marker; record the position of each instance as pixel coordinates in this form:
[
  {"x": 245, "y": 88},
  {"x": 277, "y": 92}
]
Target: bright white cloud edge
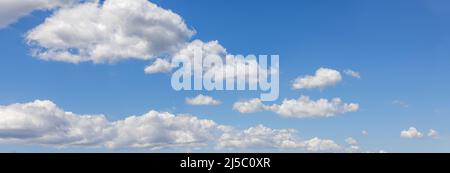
[{"x": 42, "y": 122}]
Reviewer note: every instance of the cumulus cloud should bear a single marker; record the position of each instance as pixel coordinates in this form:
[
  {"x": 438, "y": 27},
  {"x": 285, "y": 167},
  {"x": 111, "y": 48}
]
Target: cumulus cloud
[
  {"x": 320, "y": 145},
  {"x": 410, "y": 133},
  {"x": 158, "y": 66},
  {"x": 264, "y": 137},
  {"x": 12, "y": 10},
  {"x": 352, "y": 73},
  {"x": 250, "y": 106},
  {"x": 303, "y": 107},
  {"x": 323, "y": 77},
  {"x": 202, "y": 100},
  {"x": 109, "y": 31},
  {"x": 42, "y": 122},
  {"x": 249, "y": 67}
]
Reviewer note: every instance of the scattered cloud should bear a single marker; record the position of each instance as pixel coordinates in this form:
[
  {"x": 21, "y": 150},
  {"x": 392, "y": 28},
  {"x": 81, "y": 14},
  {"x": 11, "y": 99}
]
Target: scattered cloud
[
  {"x": 323, "y": 77},
  {"x": 12, "y": 10},
  {"x": 264, "y": 137},
  {"x": 158, "y": 66},
  {"x": 107, "y": 32},
  {"x": 351, "y": 141},
  {"x": 433, "y": 134},
  {"x": 42, "y": 122},
  {"x": 411, "y": 133},
  {"x": 303, "y": 107},
  {"x": 250, "y": 106},
  {"x": 352, "y": 73},
  {"x": 202, "y": 100}
]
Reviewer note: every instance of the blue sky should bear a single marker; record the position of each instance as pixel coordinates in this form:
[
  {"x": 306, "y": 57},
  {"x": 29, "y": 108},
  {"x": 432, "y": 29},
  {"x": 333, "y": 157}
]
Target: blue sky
[{"x": 400, "y": 48}]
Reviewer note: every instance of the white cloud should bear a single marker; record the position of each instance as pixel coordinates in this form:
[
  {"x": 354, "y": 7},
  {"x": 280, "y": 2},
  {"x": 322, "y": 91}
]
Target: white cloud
[
  {"x": 351, "y": 141},
  {"x": 410, "y": 133},
  {"x": 303, "y": 107},
  {"x": 158, "y": 66},
  {"x": 352, "y": 73},
  {"x": 250, "y": 106},
  {"x": 160, "y": 130},
  {"x": 43, "y": 123},
  {"x": 12, "y": 10},
  {"x": 202, "y": 100},
  {"x": 433, "y": 134},
  {"x": 108, "y": 32},
  {"x": 264, "y": 137},
  {"x": 321, "y": 145},
  {"x": 250, "y": 69},
  {"x": 323, "y": 77}
]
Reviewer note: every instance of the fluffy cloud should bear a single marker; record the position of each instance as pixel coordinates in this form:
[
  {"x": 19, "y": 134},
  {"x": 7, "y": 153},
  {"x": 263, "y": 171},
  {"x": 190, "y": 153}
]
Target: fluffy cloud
[
  {"x": 158, "y": 66},
  {"x": 202, "y": 100},
  {"x": 264, "y": 137},
  {"x": 352, "y": 73},
  {"x": 321, "y": 145},
  {"x": 302, "y": 107},
  {"x": 250, "y": 106},
  {"x": 410, "y": 133},
  {"x": 160, "y": 130},
  {"x": 43, "y": 123},
  {"x": 11, "y": 10},
  {"x": 109, "y": 31},
  {"x": 323, "y": 77}
]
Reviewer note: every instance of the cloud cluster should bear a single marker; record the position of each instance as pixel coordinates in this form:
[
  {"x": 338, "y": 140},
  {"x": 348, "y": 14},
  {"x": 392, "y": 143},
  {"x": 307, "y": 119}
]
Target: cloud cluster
[
  {"x": 42, "y": 122},
  {"x": 413, "y": 133},
  {"x": 303, "y": 107},
  {"x": 322, "y": 78},
  {"x": 109, "y": 31},
  {"x": 264, "y": 137},
  {"x": 202, "y": 100}
]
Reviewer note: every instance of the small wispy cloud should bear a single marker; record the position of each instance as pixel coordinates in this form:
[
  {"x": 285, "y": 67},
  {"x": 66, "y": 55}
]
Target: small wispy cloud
[{"x": 352, "y": 73}]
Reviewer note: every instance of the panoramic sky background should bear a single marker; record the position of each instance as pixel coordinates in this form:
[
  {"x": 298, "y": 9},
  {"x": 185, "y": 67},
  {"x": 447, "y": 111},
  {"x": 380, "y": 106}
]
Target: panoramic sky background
[{"x": 355, "y": 76}]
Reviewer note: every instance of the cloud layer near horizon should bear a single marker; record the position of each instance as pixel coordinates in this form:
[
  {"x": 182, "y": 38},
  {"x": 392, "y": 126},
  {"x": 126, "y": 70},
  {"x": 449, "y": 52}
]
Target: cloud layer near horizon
[{"x": 42, "y": 122}]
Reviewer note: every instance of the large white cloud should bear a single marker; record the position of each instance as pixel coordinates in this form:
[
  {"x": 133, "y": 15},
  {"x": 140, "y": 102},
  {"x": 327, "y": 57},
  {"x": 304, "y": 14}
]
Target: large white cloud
[
  {"x": 323, "y": 77},
  {"x": 12, "y": 10},
  {"x": 303, "y": 107},
  {"x": 109, "y": 31},
  {"x": 42, "y": 122}
]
